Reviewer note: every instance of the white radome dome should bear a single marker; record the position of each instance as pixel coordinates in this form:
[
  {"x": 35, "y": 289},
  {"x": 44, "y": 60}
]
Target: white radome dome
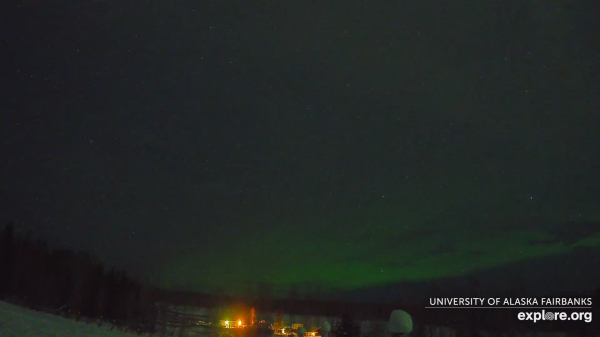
[
  {"x": 400, "y": 322},
  {"x": 326, "y": 327}
]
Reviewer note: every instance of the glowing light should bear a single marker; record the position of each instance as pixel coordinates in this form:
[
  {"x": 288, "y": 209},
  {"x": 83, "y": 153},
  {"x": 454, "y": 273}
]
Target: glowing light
[{"x": 240, "y": 322}]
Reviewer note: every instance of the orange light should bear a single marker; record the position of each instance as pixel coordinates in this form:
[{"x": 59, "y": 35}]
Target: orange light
[{"x": 240, "y": 322}]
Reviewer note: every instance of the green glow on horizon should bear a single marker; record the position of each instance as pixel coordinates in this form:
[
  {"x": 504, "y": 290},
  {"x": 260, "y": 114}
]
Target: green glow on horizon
[{"x": 350, "y": 259}]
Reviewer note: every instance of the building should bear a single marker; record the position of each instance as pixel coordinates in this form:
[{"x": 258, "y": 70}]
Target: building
[{"x": 233, "y": 324}]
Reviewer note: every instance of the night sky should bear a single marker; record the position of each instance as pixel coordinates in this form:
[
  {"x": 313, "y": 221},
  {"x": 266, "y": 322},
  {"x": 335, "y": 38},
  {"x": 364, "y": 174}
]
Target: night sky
[{"x": 315, "y": 144}]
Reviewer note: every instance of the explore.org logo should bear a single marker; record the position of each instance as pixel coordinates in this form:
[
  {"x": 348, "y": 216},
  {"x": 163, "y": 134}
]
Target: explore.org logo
[
  {"x": 569, "y": 308},
  {"x": 555, "y": 316}
]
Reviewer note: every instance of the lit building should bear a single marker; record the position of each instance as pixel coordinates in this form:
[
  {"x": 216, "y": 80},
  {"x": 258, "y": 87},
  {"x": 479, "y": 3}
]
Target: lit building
[
  {"x": 231, "y": 324},
  {"x": 285, "y": 331}
]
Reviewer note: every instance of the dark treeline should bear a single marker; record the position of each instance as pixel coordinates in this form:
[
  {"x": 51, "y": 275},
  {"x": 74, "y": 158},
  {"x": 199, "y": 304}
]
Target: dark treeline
[{"x": 70, "y": 283}]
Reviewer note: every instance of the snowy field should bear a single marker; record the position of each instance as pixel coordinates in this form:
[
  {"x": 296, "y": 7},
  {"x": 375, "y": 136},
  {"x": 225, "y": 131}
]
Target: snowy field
[{"x": 20, "y": 322}]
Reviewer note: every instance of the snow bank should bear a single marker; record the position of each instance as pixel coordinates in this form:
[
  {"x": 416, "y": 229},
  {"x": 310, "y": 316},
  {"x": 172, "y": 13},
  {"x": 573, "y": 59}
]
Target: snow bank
[{"x": 21, "y": 322}]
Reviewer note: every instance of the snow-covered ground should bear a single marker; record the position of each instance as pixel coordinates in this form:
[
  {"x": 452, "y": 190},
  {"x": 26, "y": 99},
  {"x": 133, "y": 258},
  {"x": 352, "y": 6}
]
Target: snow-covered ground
[{"x": 21, "y": 322}]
